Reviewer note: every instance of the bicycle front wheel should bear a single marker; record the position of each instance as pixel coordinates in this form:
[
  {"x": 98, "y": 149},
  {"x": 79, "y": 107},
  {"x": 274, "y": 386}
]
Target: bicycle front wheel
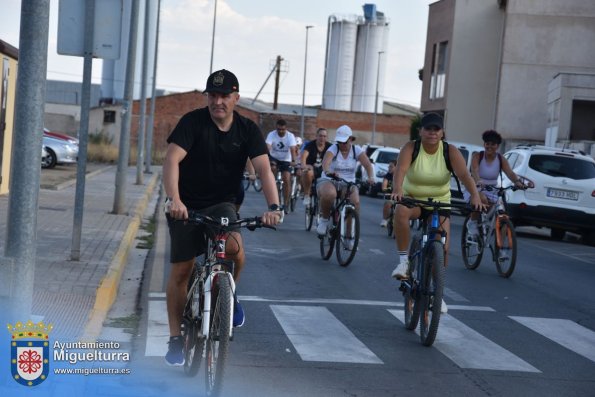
[
  {"x": 471, "y": 249},
  {"x": 412, "y": 305},
  {"x": 219, "y": 334},
  {"x": 191, "y": 332},
  {"x": 310, "y": 212},
  {"x": 505, "y": 247},
  {"x": 431, "y": 292},
  {"x": 347, "y": 236},
  {"x": 327, "y": 242}
]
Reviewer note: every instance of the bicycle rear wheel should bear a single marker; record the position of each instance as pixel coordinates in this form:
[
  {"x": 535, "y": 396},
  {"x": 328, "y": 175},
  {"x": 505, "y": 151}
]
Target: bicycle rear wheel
[
  {"x": 310, "y": 212},
  {"x": 219, "y": 334},
  {"x": 431, "y": 292},
  {"x": 412, "y": 305},
  {"x": 505, "y": 247},
  {"x": 389, "y": 227},
  {"x": 347, "y": 236},
  {"x": 257, "y": 185},
  {"x": 472, "y": 251},
  {"x": 191, "y": 331},
  {"x": 327, "y": 242}
]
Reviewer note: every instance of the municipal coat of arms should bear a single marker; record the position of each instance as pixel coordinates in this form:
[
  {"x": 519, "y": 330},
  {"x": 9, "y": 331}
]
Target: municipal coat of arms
[{"x": 29, "y": 352}]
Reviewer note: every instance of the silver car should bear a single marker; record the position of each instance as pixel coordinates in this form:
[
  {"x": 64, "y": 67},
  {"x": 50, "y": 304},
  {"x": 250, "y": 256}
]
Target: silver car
[{"x": 59, "y": 151}]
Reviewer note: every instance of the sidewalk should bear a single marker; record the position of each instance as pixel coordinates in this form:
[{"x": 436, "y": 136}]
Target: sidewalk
[{"x": 76, "y": 296}]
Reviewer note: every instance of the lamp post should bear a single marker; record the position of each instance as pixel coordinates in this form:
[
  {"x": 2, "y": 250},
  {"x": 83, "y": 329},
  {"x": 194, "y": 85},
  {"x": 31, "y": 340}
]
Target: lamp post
[
  {"x": 304, "y": 89},
  {"x": 376, "y": 101},
  {"x": 213, "y": 38}
]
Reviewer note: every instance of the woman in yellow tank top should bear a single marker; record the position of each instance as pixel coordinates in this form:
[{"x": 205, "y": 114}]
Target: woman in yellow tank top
[{"x": 426, "y": 177}]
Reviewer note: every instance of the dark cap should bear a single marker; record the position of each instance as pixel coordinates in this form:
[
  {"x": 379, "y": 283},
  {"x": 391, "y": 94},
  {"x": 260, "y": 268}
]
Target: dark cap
[
  {"x": 222, "y": 81},
  {"x": 430, "y": 119}
]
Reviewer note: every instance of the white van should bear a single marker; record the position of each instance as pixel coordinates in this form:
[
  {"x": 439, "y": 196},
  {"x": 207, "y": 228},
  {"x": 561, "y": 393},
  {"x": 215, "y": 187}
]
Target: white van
[{"x": 467, "y": 150}]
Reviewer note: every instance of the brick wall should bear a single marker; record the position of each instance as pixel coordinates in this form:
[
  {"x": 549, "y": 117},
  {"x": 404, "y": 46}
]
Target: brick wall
[{"x": 391, "y": 130}]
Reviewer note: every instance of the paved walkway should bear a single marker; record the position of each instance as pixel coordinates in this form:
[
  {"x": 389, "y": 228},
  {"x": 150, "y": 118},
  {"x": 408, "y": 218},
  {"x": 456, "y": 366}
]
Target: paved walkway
[{"x": 75, "y": 296}]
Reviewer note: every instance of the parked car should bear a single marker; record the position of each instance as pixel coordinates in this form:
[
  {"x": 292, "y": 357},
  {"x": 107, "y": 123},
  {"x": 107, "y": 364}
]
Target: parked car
[
  {"x": 467, "y": 150},
  {"x": 564, "y": 195},
  {"x": 60, "y": 135},
  {"x": 379, "y": 159},
  {"x": 45, "y": 158},
  {"x": 60, "y": 151}
]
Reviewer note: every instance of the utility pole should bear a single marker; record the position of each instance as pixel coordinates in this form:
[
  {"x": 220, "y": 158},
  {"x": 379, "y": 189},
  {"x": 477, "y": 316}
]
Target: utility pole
[
  {"x": 304, "y": 89},
  {"x": 120, "y": 193},
  {"x": 148, "y": 151},
  {"x": 140, "y": 143},
  {"x": 376, "y": 101},
  {"x": 277, "y": 75},
  {"x": 23, "y": 199}
]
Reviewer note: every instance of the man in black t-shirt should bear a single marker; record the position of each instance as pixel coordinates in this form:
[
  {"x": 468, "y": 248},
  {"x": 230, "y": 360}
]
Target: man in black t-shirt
[
  {"x": 311, "y": 160},
  {"x": 204, "y": 165}
]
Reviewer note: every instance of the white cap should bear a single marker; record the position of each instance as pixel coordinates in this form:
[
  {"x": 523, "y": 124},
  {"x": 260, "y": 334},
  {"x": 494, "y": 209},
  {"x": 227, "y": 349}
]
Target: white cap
[{"x": 343, "y": 134}]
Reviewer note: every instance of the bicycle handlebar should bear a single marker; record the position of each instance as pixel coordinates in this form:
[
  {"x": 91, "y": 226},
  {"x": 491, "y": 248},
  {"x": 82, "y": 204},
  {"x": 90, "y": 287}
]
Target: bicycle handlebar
[
  {"x": 411, "y": 202},
  {"x": 225, "y": 224},
  {"x": 334, "y": 177}
]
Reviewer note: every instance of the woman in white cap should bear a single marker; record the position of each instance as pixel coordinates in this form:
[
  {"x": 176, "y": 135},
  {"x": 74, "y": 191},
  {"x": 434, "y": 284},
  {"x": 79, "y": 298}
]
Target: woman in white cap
[{"x": 340, "y": 160}]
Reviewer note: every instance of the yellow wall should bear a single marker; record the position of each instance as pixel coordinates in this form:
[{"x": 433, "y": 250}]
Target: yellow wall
[{"x": 8, "y": 132}]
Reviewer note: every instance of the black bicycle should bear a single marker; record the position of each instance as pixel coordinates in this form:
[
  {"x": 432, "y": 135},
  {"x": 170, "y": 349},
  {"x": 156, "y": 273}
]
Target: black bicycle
[
  {"x": 256, "y": 184},
  {"x": 344, "y": 230},
  {"x": 311, "y": 210},
  {"x": 207, "y": 324},
  {"x": 424, "y": 287}
]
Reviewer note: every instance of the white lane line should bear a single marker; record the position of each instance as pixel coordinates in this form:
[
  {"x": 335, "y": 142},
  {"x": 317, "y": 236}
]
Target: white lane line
[
  {"x": 469, "y": 349},
  {"x": 567, "y": 333},
  {"x": 251, "y": 298},
  {"x": 317, "y": 335},
  {"x": 559, "y": 252},
  {"x": 455, "y": 295},
  {"x": 377, "y": 251},
  {"x": 157, "y": 329}
]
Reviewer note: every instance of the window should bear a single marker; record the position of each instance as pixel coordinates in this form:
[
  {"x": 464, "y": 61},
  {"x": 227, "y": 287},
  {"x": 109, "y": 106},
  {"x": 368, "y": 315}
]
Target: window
[
  {"x": 568, "y": 167},
  {"x": 109, "y": 116},
  {"x": 438, "y": 70}
]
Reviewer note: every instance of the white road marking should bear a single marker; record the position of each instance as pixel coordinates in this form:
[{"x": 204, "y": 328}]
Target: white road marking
[
  {"x": 567, "y": 333},
  {"x": 317, "y": 335},
  {"x": 469, "y": 349},
  {"x": 157, "y": 329},
  {"x": 377, "y": 251}
]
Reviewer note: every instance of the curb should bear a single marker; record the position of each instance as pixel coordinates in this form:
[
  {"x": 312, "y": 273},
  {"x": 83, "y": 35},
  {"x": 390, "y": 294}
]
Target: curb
[
  {"x": 71, "y": 182},
  {"x": 108, "y": 287}
]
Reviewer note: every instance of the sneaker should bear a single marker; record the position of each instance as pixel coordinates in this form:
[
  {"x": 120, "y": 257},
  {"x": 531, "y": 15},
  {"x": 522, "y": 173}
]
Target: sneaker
[
  {"x": 383, "y": 223},
  {"x": 306, "y": 201},
  {"x": 443, "y": 308},
  {"x": 349, "y": 242},
  {"x": 238, "y": 313},
  {"x": 322, "y": 226},
  {"x": 400, "y": 272},
  {"x": 175, "y": 351}
]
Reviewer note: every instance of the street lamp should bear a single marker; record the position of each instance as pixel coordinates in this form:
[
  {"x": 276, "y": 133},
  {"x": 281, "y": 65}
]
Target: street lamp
[
  {"x": 304, "y": 89},
  {"x": 376, "y": 101},
  {"x": 213, "y": 37}
]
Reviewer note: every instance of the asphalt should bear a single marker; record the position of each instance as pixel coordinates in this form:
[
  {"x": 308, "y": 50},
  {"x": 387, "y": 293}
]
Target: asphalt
[{"x": 76, "y": 296}]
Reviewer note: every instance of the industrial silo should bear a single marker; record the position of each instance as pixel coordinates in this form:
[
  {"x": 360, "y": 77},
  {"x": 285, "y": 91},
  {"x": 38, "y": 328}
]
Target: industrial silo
[
  {"x": 340, "y": 62},
  {"x": 370, "y": 60},
  {"x": 113, "y": 74}
]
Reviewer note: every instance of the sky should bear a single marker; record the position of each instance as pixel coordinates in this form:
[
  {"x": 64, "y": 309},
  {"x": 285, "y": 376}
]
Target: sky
[{"x": 249, "y": 36}]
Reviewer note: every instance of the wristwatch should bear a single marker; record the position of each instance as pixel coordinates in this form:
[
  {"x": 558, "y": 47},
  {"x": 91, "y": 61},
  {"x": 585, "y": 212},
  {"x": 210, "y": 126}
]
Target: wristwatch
[{"x": 274, "y": 207}]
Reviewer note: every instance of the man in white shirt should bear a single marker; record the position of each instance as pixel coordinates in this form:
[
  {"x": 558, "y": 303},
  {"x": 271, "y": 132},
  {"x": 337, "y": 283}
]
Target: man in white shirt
[{"x": 282, "y": 147}]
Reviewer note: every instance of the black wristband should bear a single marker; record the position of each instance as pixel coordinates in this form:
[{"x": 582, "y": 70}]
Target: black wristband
[{"x": 274, "y": 207}]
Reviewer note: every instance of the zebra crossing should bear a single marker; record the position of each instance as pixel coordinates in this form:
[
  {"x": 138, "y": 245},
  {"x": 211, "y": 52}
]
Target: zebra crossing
[{"x": 317, "y": 335}]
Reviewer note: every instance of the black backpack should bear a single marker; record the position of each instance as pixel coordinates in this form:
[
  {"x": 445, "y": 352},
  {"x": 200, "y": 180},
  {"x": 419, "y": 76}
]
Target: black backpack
[
  {"x": 352, "y": 150},
  {"x": 445, "y": 153}
]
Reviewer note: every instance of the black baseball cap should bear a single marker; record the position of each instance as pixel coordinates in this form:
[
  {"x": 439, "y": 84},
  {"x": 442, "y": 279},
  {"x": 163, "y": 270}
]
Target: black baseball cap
[
  {"x": 222, "y": 81},
  {"x": 430, "y": 119}
]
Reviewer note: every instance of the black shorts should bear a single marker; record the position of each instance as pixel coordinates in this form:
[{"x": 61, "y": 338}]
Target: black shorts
[
  {"x": 240, "y": 195},
  {"x": 187, "y": 241},
  {"x": 281, "y": 165}
]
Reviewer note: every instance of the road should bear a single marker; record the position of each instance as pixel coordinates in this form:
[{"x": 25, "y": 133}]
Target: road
[{"x": 314, "y": 328}]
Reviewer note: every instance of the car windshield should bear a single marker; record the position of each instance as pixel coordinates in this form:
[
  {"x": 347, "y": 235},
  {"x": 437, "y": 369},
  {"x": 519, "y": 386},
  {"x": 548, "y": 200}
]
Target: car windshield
[
  {"x": 386, "y": 157},
  {"x": 568, "y": 167}
]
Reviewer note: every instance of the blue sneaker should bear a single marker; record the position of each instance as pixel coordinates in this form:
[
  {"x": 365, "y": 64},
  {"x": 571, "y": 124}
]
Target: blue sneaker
[
  {"x": 175, "y": 351},
  {"x": 238, "y": 313}
]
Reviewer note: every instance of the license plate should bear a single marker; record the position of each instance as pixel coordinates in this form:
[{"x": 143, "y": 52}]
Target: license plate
[{"x": 562, "y": 194}]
